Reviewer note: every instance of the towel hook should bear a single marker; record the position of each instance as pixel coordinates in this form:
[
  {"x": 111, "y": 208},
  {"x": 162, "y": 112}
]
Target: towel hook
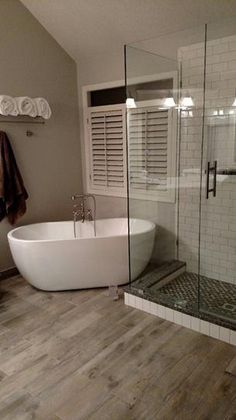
[{"x": 29, "y": 133}]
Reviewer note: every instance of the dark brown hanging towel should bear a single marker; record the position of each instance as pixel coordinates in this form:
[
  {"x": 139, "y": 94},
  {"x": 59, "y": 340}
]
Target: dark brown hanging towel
[{"x": 12, "y": 191}]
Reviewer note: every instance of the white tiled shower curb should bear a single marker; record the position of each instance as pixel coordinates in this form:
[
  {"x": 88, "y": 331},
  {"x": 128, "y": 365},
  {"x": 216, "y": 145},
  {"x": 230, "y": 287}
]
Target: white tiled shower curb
[{"x": 188, "y": 321}]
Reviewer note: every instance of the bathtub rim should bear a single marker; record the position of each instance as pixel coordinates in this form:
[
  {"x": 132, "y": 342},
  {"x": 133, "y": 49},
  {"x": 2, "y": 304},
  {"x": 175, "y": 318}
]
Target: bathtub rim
[{"x": 152, "y": 227}]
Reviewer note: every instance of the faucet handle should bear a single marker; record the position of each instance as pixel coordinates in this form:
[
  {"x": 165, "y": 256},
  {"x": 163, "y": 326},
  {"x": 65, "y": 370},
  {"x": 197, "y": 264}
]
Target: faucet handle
[
  {"x": 89, "y": 215},
  {"x": 75, "y": 196},
  {"x": 76, "y": 209}
]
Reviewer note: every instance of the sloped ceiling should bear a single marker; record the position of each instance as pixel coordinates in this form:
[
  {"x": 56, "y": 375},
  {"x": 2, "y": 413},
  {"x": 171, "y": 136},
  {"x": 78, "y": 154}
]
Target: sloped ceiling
[{"x": 87, "y": 27}]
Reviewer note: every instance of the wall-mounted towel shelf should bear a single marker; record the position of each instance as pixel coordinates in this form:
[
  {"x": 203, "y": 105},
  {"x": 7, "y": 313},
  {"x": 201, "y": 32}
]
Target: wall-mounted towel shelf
[{"x": 21, "y": 120}]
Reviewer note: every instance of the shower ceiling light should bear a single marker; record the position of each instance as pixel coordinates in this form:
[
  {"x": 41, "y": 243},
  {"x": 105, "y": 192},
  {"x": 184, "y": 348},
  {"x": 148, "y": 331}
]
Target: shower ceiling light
[
  {"x": 130, "y": 103},
  {"x": 169, "y": 102}
]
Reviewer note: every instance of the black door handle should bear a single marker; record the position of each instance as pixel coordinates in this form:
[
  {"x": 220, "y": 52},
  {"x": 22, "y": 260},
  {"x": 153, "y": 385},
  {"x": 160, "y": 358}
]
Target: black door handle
[{"x": 211, "y": 169}]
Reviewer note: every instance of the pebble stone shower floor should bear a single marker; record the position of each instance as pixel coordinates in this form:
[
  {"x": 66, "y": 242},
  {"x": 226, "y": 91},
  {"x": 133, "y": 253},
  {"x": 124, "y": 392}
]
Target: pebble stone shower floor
[
  {"x": 189, "y": 292},
  {"x": 216, "y": 297}
]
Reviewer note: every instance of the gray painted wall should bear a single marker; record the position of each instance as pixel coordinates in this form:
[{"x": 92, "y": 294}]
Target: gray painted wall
[
  {"x": 100, "y": 69},
  {"x": 33, "y": 64}
]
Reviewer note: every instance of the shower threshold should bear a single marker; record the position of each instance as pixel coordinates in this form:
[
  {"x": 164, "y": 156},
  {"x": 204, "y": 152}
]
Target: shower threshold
[{"x": 170, "y": 285}]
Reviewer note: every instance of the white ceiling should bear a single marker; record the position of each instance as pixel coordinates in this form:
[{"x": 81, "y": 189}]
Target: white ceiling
[{"x": 87, "y": 27}]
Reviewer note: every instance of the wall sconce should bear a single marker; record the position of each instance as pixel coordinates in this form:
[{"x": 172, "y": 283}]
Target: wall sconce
[
  {"x": 218, "y": 113},
  {"x": 130, "y": 103},
  {"x": 186, "y": 101},
  {"x": 169, "y": 102}
]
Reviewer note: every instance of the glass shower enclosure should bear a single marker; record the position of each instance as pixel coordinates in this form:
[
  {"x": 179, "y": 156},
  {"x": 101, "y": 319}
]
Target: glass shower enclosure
[{"x": 181, "y": 147}]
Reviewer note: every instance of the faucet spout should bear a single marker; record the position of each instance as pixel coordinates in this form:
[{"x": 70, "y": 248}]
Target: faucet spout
[{"x": 79, "y": 212}]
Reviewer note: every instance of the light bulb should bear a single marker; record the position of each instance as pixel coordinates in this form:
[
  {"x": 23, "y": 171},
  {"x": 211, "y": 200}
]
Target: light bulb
[
  {"x": 186, "y": 102},
  {"x": 169, "y": 102},
  {"x": 130, "y": 103}
]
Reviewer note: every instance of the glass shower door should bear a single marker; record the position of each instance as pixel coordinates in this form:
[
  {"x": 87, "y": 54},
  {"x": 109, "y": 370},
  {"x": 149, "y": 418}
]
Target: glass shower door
[
  {"x": 151, "y": 136},
  {"x": 217, "y": 278},
  {"x": 164, "y": 134}
]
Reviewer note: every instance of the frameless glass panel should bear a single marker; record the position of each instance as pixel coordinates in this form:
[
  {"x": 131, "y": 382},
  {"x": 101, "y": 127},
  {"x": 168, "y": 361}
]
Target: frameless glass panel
[
  {"x": 192, "y": 66},
  {"x": 218, "y": 195},
  {"x": 164, "y": 84}
]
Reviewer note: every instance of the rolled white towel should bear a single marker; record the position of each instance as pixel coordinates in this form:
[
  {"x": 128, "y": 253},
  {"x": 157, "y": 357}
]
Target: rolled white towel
[
  {"x": 8, "y": 105},
  {"x": 26, "y": 106},
  {"x": 43, "y": 108}
]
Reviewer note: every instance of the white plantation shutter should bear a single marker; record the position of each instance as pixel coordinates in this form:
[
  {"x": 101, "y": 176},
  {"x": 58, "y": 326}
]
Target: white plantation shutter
[
  {"x": 107, "y": 149},
  {"x": 151, "y": 153}
]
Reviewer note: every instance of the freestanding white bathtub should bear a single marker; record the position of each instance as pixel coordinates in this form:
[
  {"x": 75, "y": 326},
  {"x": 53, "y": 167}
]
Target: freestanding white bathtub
[{"x": 49, "y": 257}]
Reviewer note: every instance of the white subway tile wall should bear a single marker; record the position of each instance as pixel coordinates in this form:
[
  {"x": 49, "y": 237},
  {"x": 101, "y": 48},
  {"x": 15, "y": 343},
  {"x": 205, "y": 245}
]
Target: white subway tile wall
[{"x": 218, "y": 215}]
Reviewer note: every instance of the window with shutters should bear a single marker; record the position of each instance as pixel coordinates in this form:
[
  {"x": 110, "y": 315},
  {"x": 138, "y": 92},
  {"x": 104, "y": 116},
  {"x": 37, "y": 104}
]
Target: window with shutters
[
  {"x": 151, "y": 143},
  {"x": 151, "y": 148},
  {"x": 107, "y": 149}
]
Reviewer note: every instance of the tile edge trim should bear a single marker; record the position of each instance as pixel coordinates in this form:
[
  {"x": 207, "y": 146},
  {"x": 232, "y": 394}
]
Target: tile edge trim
[{"x": 188, "y": 321}]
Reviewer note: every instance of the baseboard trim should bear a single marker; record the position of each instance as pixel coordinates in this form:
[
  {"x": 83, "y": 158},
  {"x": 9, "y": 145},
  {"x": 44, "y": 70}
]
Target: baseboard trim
[{"x": 9, "y": 272}]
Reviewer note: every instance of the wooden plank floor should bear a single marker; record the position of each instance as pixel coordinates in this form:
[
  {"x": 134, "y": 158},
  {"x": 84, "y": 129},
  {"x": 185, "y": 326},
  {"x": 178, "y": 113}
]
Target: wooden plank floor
[{"x": 79, "y": 355}]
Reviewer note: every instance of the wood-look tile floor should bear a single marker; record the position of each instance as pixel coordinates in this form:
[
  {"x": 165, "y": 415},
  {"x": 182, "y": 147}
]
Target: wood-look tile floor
[{"x": 79, "y": 355}]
